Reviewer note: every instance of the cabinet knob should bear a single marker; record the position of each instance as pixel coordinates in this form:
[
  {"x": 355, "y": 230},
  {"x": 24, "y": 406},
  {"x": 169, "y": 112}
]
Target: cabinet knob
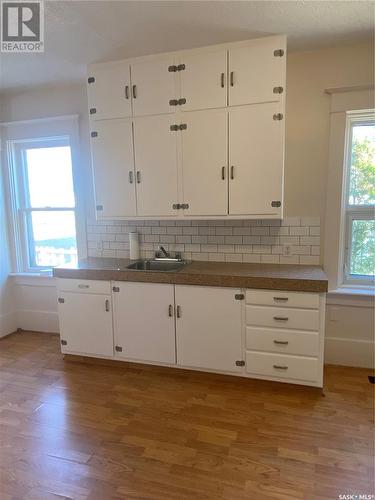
[
  {"x": 173, "y": 102},
  {"x": 278, "y": 53},
  {"x": 278, "y": 90},
  {"x": 134, "y": 91},
  {"x": 170, "y": 311},
  {"x": 278, "y": 116},
  {"x": 126, "y": 91},
  {"x": 178, "y": 311},
  {"x": 223, "y": 169}
]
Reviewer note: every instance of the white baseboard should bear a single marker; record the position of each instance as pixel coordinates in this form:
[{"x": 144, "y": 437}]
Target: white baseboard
[
  {"x": 349, "y": 352},
  {"x": 8, "y": 324},
  {"x": 38, "y": 321}
]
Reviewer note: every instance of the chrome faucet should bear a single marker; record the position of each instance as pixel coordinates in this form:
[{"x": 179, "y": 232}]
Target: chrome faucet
[{"x": 166, "y": 254}]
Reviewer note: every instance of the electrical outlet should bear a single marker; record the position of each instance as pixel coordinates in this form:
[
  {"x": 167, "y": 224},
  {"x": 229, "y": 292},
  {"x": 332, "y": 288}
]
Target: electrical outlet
[{"x": 287, "y": 249}]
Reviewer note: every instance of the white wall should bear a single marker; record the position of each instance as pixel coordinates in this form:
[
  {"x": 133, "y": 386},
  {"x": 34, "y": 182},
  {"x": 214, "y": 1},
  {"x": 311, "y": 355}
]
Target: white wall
[
  {"x": 7, "y": 303},
  {"x": 350, "y": 334}
]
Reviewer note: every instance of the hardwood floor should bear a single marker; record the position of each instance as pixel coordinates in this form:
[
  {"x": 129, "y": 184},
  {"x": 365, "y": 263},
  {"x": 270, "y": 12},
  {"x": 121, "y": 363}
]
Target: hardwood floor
[{"x": 81, "y": 431}]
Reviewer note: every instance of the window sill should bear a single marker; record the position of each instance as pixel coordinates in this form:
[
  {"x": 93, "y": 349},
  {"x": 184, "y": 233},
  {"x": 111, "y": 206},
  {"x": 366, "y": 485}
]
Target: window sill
[
  {"x": 33, "y": 279},
  {"x": 363, "y": 291}
]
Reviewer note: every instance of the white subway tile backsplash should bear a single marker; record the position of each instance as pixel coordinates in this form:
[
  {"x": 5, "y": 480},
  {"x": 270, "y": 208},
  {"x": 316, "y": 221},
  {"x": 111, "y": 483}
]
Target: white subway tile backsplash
[{"x": 215, "y": 240}]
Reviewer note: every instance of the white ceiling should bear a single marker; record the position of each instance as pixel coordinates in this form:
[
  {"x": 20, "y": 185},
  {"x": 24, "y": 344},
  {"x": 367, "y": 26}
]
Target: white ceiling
[{"x": 81, "y": 32}]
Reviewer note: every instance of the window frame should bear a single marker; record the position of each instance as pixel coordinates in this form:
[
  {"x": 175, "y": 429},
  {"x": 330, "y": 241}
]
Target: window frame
[
  {"x": 38, "y": 133},
  {"x": 349, "y": 213}
]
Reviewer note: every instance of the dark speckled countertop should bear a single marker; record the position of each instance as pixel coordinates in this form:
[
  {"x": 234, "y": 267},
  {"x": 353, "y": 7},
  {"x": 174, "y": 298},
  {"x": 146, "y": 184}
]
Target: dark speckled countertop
[{"x": 223, "y": 274}]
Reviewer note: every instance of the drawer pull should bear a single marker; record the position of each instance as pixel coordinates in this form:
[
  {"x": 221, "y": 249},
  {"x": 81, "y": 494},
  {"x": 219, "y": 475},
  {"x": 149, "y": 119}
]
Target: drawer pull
[
  {"x": 83, "y": 286},
  {"x": 280, "y": 367},
  {"x": 281, "y": 342},
  {"x": 281, "y": 299},
  {"x": 280, "y": 318},
  {"x": 170, "y": 311}
]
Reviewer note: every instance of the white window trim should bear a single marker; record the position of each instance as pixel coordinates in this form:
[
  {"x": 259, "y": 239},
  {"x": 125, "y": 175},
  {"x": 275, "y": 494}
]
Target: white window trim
[
  {"x": 353, "y": 100},
  {"x": 348, "y": 213},
  {"x": 17, "y": 132}
]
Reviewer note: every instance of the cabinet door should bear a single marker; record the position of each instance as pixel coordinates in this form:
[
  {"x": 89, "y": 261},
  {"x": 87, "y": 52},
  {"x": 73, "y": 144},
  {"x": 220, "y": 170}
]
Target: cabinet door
[
  {"x": 109, "y": 93},
  {"x": 144, "y": 322},
  {"x": 204, "y": 80},
  {"x": 156, "y": 165},
  {"x": 113, "y": 168},
  {"x": 257, "y": 72},
  {"x": 86, "y": 324},
  {"x": 208, "y": 328},
  {"x": 153, "y": 86},
  {"x": 205, "y": 162},
  {"x": 256, "y": 160}
]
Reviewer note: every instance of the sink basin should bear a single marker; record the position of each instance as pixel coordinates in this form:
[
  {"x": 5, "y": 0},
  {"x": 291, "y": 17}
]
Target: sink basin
[{"x": 157, "y": 265}]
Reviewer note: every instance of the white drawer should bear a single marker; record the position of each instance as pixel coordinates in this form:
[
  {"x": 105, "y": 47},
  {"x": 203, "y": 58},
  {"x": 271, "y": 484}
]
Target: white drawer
[
  {"x": 282, "y": 317},
  {"x": 282, "y": 299},
  {"x": 84, "y": 286},
  {"x": 282, "y": 366},
  {"x": 282, "y": 341}
]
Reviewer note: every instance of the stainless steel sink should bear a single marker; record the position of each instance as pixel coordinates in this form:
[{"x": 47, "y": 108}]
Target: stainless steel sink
[{"x": 157, "y": 265}]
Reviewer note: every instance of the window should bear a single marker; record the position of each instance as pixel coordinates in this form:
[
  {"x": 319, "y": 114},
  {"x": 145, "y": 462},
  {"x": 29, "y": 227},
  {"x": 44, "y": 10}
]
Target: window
[
  {"x": 44, "y": 208},
  {"x": 359, "y": 200}
]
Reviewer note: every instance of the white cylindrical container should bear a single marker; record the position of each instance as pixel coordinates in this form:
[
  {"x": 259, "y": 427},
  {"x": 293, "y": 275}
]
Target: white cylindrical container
[{"x": 134, "y": 245}]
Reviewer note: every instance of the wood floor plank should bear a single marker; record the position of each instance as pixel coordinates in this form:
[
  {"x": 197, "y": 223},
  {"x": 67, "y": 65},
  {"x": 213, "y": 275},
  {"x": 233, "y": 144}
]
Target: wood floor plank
[{"x": 98, "y": 431}]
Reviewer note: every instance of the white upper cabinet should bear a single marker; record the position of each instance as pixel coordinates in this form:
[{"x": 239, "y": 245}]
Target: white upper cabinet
[
  {"x": 154, "y": 90},
  {"x": 205, "y": 162},
  {"x": 257, "y": 71},
  {"x": 208, "y": 328},
  {"x": 109, "y": 91},
  {"x": 256, "y": 154},
  {"x": 203, "y": 80},
  {"x": 156, "y": 165},
  {"x": 113, "y": 168},
  {"x": 144, "y": 322}
]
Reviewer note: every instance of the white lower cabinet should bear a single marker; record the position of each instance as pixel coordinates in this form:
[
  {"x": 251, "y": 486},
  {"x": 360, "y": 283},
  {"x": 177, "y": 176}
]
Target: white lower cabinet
[
  {"x": 85, "y": 317},
  {"x": 144, "y": 327},
  {"x": 284, "y": 338},
  {"x": 208, "y": 328},
  {"x": 201, "y": 327}
]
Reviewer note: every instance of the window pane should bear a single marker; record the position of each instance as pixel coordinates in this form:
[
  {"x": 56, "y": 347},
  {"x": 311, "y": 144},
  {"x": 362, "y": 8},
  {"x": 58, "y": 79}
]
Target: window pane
[
  {"x": 362, "y": 166},
  {"x": 53, "y": 240},
  {"x": 49, "y": 172},
  {"x": 362, "y": 258}
]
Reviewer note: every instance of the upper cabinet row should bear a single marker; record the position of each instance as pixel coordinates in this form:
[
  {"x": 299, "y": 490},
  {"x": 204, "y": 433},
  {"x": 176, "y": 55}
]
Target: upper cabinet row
[{"x": 243, "y": 74}]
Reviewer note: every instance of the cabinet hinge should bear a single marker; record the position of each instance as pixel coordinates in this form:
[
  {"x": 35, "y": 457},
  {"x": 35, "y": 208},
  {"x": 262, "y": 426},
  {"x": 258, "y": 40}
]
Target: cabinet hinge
[
  {"x": 240, "y": 362},
  {"x": 92, "y": 111},
  {"x": 239, "y": 296},
  {"x": 99, "y": 208},
  {"x": 278, "y": 90},
  {"x": 94, "y": 134},
  {"x": 278, "y": 53},
  {"x": 90, "y": 79},
  {"x": 63, "y": 342},
  {"x": 60, "y": 300},
  {"x": 181, "y": 67},
  {"x": 182, "y": 101},
  {"x": 115, "y": 289},
  {"x": 118, "y": 348},
  {"x": 275, "y": 203},
  {"x": 278, "y": 116},
  {"x": 173, "y": 68}
]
